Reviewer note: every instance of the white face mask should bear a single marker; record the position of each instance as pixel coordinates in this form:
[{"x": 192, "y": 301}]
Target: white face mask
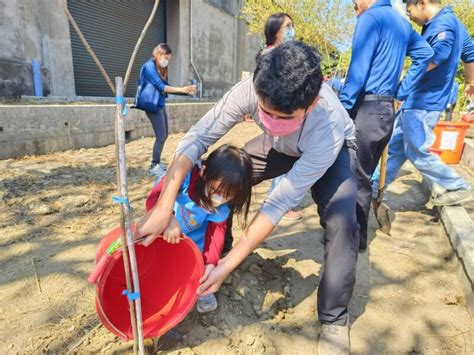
[
  {"x": 163, "y": 63},
  {"x": 216, "y": 199}
]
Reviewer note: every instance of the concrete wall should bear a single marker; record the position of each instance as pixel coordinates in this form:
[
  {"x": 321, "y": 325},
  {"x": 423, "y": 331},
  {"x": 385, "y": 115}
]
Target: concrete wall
[
  {"x": 34, "y": 29},
  {"x": 39, "y": 129},
  {"x": 38, "y": 29}
]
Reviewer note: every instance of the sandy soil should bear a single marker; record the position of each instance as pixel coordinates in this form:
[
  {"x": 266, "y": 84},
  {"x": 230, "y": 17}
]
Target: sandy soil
[{"x": 55, "y": 208}]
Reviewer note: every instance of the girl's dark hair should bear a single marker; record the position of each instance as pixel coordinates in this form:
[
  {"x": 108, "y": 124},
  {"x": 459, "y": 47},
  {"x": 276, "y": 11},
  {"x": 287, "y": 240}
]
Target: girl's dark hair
[
  {"x": 232, "y": 167},
  {"x": 273, "y": 25},
  {"x": 162, "y": 48}
]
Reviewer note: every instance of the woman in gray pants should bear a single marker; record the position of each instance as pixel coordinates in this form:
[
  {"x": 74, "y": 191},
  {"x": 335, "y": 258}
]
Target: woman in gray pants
[{"x": 155, "y": 70}]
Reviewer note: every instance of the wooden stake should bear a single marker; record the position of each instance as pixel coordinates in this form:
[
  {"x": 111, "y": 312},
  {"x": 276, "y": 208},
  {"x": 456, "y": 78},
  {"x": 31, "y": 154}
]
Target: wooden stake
[
  {"x": 129, "y": 257},
  {"x": 127, "y": 234}
]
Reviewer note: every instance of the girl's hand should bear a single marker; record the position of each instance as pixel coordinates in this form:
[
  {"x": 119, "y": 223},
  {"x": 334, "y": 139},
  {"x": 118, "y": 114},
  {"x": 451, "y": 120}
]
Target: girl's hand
[
  {"x": 152, "y": 225},
  {"x": 172, "y": 233}
]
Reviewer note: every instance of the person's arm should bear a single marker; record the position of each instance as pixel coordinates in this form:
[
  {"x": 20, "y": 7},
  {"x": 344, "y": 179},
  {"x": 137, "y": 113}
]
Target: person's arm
[
  {"x": 442, "y": 46},
  {"x": 260, "y": 228},
  {"x": 218, "y": 121},
  {"x": 154, "y": 194},
  {"x": 152, "y": 75},
  {"x": 214, "y": 242},
  {"x": 364, "y": 44},
  {"x": 420, "y": 53},
  {"x": 467, "y": 56},
  {"x": 469, "y": 87},
  {"x": 156, "y": 221}
]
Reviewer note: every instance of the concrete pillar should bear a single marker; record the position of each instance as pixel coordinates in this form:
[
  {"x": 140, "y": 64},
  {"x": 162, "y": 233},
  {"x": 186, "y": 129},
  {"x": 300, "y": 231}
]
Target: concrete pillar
[
  {"x": 56, "y": 48},
  {"x": 177, "y": 32}
]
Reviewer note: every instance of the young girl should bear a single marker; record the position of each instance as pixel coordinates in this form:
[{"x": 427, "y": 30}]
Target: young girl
[{"x": 210, "y": 191}]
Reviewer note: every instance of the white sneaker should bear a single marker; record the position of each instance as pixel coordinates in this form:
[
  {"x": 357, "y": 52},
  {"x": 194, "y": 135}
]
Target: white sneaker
[
  {"x": 207, "y": 303},
  {"x": 157, "y": 170},
  {"x": 453, "y": 197}
]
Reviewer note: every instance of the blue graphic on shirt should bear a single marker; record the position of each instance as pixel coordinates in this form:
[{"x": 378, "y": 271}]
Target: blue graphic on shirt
[{"x": 192, "y": 218}]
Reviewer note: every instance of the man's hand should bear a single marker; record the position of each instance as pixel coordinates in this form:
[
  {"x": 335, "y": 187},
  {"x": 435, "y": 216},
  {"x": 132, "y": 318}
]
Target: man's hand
[
  {"x": 172, "y": 233},
  {"x": 469, "y": 91},
  {"x": 213, "y": 278}
]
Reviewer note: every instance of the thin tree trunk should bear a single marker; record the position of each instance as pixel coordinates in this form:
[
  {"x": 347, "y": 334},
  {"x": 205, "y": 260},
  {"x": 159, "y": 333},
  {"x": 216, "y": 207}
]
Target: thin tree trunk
[{"x": 139, "y": 42}]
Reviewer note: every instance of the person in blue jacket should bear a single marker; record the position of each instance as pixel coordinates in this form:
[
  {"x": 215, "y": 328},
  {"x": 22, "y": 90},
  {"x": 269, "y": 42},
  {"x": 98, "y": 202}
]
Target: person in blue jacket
[
  {"x": 155, "y": 70},
  {"x": 413, "y": 135},
  {"x": 382, "y": 39}
]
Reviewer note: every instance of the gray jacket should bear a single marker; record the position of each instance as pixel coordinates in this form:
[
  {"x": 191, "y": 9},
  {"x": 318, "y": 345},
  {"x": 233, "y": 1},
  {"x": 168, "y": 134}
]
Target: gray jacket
[{"x": 317, "y": 143}]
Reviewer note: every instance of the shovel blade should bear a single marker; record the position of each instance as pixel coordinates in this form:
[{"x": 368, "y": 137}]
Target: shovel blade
[{"x": 382, "y": 215}]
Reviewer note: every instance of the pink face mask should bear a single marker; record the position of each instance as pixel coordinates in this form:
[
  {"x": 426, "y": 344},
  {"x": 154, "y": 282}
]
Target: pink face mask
[{"x": 277, "y": 127}]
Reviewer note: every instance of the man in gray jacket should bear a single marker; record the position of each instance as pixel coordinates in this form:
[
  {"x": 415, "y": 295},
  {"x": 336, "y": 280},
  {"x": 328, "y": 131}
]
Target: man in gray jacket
[{"x": 308, "y": 136}]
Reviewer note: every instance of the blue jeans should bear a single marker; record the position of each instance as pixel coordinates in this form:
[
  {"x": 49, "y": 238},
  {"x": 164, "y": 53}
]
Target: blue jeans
[
  {"x": 159, "y": 122},
  {"x": 411, "y": 139}
]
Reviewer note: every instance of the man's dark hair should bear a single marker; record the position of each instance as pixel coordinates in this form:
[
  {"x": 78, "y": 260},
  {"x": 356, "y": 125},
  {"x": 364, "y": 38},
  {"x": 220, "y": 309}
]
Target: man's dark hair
[{"x": 288, "y": 77}]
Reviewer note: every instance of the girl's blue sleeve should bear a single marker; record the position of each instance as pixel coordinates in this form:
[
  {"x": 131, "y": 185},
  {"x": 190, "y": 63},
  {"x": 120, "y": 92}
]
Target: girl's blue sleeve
[{"x": 153, "y": 77}]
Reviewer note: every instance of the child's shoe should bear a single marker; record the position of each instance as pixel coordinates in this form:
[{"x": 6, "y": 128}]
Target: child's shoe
[{"x": 207, "y": 303}]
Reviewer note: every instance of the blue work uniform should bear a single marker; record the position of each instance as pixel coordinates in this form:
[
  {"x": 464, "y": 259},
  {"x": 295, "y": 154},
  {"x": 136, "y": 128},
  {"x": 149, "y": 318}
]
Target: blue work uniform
[
  {"x": 382, "y": 40},
  {"x": 451, "y": 42}
]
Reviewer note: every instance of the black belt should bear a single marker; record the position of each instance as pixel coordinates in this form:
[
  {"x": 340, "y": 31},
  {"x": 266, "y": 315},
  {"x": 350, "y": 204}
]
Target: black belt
[{"x": 377, "y": 98}]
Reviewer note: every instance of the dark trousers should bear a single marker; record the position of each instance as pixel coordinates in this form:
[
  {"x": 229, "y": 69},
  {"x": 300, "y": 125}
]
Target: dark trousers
[
  {"x": 374, "y": 126},
  {"x": 159, "y": 121},
  {"x": 335, "y": 196}
]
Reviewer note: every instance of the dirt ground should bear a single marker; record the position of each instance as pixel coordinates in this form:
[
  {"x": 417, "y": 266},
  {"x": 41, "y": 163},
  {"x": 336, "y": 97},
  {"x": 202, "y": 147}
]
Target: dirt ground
[{"x": 55, "y": 208}]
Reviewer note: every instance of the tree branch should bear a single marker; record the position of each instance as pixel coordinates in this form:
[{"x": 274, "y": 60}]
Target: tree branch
[
  {"x": 139, "y": 42},
  {"x": 86, "y": 44}
]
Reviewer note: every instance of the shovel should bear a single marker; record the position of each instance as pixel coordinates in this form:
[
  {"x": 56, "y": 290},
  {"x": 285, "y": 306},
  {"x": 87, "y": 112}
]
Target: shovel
[{"x": 380, "y": 208}]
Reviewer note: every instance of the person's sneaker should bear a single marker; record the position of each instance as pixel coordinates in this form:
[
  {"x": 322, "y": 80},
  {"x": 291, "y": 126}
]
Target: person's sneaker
[
  {"x": 453, "y": 197},
  {"x": 437, "y": 190},
  {"x": 292, "y": 216},
  {"x": 334, "y": 340},
  {"x": 207, "y": 303},
  {"x": 157, "y": 170}
]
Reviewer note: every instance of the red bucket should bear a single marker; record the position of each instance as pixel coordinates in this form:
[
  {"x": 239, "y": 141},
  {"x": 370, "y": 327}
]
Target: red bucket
[{"x": 169, "y": 276}]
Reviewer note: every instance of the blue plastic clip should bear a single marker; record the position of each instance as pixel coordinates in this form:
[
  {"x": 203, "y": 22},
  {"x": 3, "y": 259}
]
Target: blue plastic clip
[
  {"x": 122, "y": 200},
  {"x": 121, "y": 100},
  {"x": 132, "y": 296}
]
